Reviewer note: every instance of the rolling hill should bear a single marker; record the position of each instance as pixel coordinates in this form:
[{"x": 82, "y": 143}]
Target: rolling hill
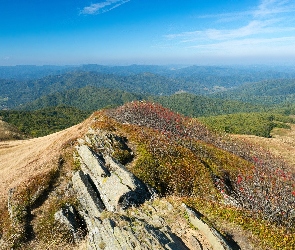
[
  {"x": 88, "y": 98},
  {"x": 41, "y": 117},
  {"x": 236, "y": 186},
  {"x": 23, "y": 84},
  {"x": 268, "y": 92}
]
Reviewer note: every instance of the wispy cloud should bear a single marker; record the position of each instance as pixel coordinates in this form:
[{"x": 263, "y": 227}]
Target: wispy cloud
[
  {"x": 102, "y": 7},
  {"x": 245, "y": 45},
  {"x": 266, "y": 7},
  {"x": 271, "y": 7},
  {"x": 266, "y": 25},
  {"x": 251, "y": 29}
]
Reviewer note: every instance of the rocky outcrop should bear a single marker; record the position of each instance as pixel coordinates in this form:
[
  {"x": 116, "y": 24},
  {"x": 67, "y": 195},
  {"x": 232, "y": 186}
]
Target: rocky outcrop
[
  {"x": 116, "y": 186},
  {"x": 104, "y": 186},
  {"x": 215, "y": 239},
  {"x": 69, "y": 217},
  {"x": 113, "y": 205},
  {"x": 87, "y": 195},
  {"x": 120, "y": 232}
]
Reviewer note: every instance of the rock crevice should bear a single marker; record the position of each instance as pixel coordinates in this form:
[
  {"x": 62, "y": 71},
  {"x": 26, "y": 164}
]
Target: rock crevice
[{"x": 112, "y": 204}]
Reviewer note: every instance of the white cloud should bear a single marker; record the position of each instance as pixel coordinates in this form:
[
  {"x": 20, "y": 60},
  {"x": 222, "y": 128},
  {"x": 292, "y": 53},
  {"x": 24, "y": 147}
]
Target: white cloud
[
  {"x": 255, "y": 27},
  {"x": 271, "y": 7},
  {"x": 243, "y": 46},
  {"x": 267, "y": 27},
  {"x": 99, "y": 8}
]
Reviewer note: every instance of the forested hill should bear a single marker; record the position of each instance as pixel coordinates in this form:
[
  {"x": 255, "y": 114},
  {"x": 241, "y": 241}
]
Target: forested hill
[
  {"x": 22, "y": 92},
  {"x": 45, "y": 121},
  {"x": 91, "y": 98},
  {"x": 29, "y": 72},
  {"x": 197, "y": 105},
  {"x": 242, "y": 73},
  {"x": 88, "y": 98},
  {"x": 19, "y": 85},
  {"x": 268, "y": 92}
]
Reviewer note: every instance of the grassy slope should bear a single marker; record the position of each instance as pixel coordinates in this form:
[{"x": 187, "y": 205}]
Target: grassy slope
[{"x": 178, "y": 156}]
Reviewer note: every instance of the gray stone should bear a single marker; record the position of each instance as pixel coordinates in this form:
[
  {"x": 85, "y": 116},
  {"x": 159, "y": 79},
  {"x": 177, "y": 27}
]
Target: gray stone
[
  {"x": 86, "y": 194},
  {"x": 106, "y": 189},
  {"x": 68, "y": 217},
  {"x": 118, "y": 188},
  {"x": 93, "y": 163},
  {"x": 215, "y": 239}
]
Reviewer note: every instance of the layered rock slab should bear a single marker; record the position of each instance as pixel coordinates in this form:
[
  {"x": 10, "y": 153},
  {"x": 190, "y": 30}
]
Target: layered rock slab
[
  {"x": 108, "y": 193},
  {"x": 118, "y": 188},
  {"x": 104, "y": 186}
]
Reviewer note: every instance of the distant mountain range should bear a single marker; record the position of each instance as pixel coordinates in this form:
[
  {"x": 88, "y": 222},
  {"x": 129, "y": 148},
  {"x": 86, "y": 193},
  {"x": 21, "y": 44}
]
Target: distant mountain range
[
  {"x": 21, "y": 85},
  {"x": 253, "y": 73}
]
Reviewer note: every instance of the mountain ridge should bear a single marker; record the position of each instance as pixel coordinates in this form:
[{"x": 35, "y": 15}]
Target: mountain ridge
[{"x": 177, "y": 156}]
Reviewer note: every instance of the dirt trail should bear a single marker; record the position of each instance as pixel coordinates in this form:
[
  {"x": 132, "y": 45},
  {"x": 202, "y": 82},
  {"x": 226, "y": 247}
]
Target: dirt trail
[{"x": 23, "y": 159}]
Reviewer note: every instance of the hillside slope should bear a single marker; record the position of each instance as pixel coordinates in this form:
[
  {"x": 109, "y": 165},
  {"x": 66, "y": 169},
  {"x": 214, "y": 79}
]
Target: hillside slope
[
  {"x": 267, "y": 92},
  {"x": 281, "y": 144},
  {"x": 22, "y": 160},
  {"x": 242, "y": 191}
]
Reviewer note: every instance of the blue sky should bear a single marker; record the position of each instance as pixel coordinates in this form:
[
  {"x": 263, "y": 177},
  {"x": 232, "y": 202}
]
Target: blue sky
[{"x": 123, "y": 32}]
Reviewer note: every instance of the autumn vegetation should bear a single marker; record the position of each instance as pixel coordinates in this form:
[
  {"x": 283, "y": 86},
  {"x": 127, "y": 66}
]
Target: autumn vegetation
[{"x": 180, "y": 156}]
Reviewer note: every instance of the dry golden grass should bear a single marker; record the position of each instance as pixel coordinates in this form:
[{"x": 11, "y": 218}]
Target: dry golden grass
[{"x": 22, "y": 160}]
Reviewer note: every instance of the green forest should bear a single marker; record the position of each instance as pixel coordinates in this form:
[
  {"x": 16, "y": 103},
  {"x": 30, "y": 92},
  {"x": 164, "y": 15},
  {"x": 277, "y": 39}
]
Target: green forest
[
  {"x": 45, "y": 121},
  {"x": 260, "y": 124},
  {"x": 43, "y": 100}
]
